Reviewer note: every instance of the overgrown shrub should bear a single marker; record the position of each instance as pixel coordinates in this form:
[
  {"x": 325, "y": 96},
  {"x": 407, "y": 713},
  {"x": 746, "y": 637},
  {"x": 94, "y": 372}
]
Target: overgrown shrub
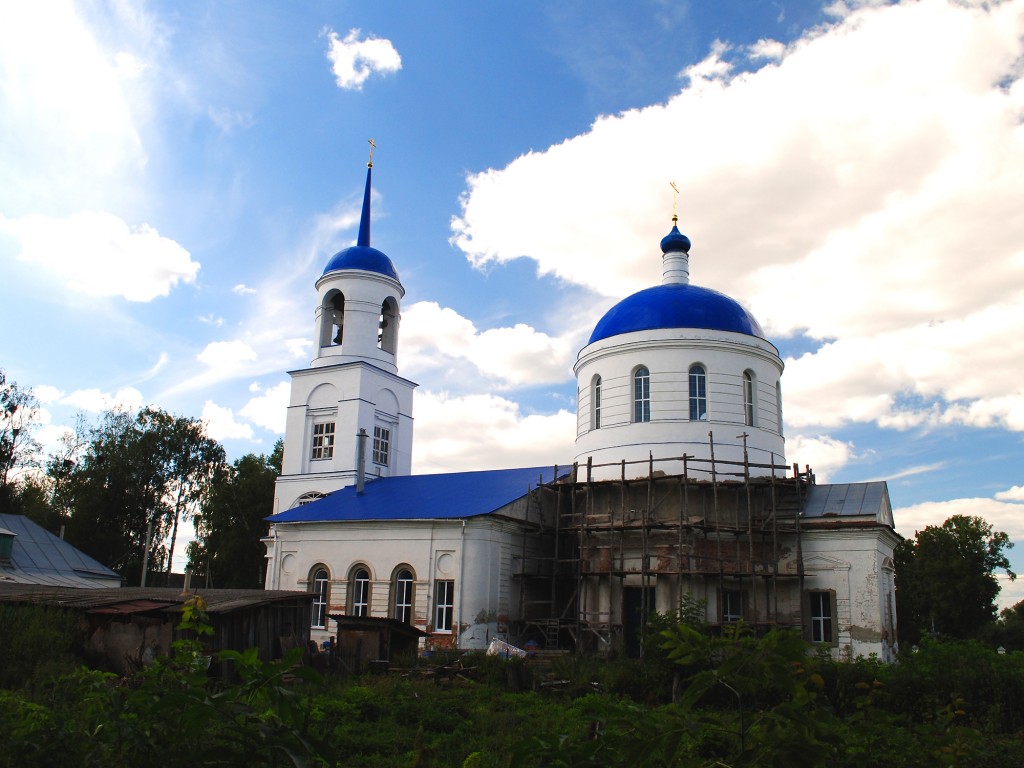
[{"x": 37, "y": 642}]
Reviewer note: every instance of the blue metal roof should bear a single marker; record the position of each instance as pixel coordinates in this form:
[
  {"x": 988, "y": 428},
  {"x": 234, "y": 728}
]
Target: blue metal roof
[
  {"x": 676, "y": 305},
  {"x": 454, "y": 495},
  {"x": 362, "y": 257},
  {"x": 39, "y": 557}
]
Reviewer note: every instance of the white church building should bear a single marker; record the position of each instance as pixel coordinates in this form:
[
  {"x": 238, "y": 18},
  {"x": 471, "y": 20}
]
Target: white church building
[{"x": 679, "y": 494}]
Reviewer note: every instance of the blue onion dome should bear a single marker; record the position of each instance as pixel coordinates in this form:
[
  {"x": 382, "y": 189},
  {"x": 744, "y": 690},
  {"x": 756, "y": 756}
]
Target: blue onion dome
[
  {"x": 362, "y": 257},
  {"x": 676, "y": 305},
  {"x": 675, "y": 241}
]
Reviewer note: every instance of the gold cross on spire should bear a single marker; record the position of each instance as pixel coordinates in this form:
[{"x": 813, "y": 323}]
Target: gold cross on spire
[
  {"x": 373, "y": 146},
  {"x": 675, "y": 199}
]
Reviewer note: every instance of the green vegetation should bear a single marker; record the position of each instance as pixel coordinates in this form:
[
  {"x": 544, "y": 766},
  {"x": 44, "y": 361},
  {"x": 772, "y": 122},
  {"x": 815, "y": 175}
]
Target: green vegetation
[
  {"x": 945, "y": 579},
  {"x": 120, "y": 488},
  {"x": 741, "y": 700}
]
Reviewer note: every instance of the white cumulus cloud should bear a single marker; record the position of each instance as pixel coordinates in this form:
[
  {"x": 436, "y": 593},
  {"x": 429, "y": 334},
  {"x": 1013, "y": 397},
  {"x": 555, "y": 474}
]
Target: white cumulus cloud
[
  {"x": 435, "y": 337},
  {"x": 860, "y": 188},
  {"x": 353, "y": 59},
  {"x": 99, "y": 254},
  {"x": 222, "y": 425},
  {"x": 269, "y": 407},
  {"x": 96, "y": 401},
  {"x": 464, "y": 433}
]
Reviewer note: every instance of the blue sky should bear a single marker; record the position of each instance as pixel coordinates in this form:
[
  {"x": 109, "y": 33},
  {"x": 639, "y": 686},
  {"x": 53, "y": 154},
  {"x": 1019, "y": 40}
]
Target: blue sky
[{"x": 177, "y": 175}]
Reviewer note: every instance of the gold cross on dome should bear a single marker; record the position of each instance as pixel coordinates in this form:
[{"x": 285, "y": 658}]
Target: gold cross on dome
[
  {"x": 675, "y": 198},
  {"x": 373, "y": 146}
]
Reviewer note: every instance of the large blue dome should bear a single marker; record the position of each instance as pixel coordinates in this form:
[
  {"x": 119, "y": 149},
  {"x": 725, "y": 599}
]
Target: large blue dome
[
  {"x": 676, "y": 305},
  {"x": 362, "y": 257}
]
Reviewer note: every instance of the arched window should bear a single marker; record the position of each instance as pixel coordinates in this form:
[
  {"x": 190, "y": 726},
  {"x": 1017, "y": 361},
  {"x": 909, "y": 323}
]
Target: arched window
[
  {"x": 403, "y": 591},
  {"x": 595, "y": 403},
  {"x": 778, "y": 403},
  {"x": 641, "y": 394},
  {"x": 387, "y": 328},
  {"x": 359, "y": 586},
  {"x": 749, "y": 404},
  {"x": 332, "y": 320},
  {"x": 698, "y": 393},
  {"x": 306, "y": 498},
  {"x": 320, "y": 586}
]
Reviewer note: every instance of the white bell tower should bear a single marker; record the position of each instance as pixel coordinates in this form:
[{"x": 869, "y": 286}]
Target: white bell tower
[{"x": 349, "y": 408}]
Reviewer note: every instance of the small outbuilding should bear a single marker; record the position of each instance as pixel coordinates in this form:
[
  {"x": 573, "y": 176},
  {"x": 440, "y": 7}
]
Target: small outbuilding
[
  {"x": 127, "y": 628},
  {"x": 365, "y": 641}
]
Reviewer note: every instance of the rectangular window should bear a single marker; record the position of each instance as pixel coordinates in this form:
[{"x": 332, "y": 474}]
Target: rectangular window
[
  {"x": 381, "y": 445},
  {"x": 732, "y": 606},
  {"x": 821, "y": 617},
  {"x": 444, "y": 605},
  {"x": 323, "y": 440}
]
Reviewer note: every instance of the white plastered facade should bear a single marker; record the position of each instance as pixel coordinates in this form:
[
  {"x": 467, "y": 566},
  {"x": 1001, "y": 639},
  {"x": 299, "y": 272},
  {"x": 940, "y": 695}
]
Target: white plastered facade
[{"x": 668, "y": 355}]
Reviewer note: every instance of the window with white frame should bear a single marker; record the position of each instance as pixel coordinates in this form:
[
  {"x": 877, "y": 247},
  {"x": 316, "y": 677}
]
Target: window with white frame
[
  {"x": 595, "y": 399},
  {"x": 698, "y": 393},
  {"x": 323, "y": 440},
  {"x": 822, "y": 616},
  {"x": 732, "y": 606},
  {"x": 320, "y": 587},
  {"x": 749, "y": 411},
  {"x": 360, "y": 586},
  {"x": 381, "y": 444},
  {"x": 404, "y": 593},
  {"x": 641, "y": 395},
  {"x": 309, "y": 497},
  {"x": 444, "y": 605}
]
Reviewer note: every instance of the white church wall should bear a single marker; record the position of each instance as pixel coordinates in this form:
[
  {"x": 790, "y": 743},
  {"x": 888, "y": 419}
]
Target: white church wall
[
  {"x": 476, "y": 555},
  {"x": 852, "y": 562}
]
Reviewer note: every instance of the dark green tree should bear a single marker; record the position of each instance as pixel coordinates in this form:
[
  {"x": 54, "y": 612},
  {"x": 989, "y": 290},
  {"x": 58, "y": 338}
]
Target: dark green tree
[
  {"x": 228, "y": 551},
  {"x": 193, "y": 459},
  {"x": 1008, "y": 631},
  {"x": 137, "y": 477},
  {"x": 116, "y": 492},
  {"x": 945, "y": 578}
]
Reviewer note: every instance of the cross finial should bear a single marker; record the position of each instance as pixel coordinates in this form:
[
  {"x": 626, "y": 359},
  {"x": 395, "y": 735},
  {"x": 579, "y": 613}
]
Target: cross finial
[
  {"x": 373, "y": 146},
  {"x": 675, "y": 199}
]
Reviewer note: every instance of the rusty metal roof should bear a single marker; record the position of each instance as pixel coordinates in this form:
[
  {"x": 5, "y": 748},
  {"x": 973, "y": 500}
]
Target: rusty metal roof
[{"x": 375, "y": 624}]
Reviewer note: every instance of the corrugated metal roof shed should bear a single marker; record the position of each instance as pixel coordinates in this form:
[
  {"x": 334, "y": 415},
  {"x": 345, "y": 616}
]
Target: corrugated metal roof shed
[
  {"x": 135, "y": 599},
  {"x": 452, "y": 495},
  {"x": 39, "y": 557}
]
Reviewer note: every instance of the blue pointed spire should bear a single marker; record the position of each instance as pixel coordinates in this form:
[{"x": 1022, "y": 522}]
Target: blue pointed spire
[
  {"x": 364, "y": 220},
  {"x": 362, "y": 256}
]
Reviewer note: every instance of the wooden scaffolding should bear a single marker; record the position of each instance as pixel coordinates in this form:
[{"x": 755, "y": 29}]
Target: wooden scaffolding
[{"x": 597, "y": 543}]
